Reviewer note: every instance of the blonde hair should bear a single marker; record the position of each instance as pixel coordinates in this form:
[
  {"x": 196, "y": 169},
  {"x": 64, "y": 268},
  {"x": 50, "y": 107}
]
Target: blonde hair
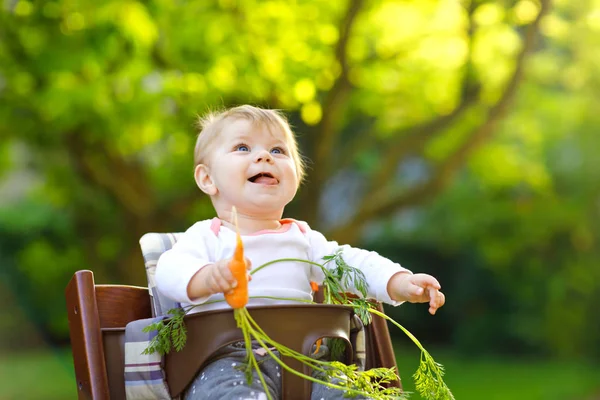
[{"x": 212, "y": 124}]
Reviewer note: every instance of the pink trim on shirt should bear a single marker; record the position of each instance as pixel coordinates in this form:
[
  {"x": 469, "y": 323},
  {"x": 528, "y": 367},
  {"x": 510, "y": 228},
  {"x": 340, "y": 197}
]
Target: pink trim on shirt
[
  {"x": 286, "y": 224},
  {"x": 301, "y": 225},
  {"x": 215, "y": 225}
]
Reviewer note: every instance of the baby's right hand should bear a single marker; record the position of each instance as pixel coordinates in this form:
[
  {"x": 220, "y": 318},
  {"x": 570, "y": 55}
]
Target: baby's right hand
[{"x": 219, "y": 278}]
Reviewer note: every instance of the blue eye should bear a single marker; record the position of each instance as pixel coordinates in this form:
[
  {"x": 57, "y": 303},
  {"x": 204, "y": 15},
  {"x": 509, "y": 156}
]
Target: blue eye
[
  {"x": 277, "y": 150},
  {"x": 242, "y": 147}
]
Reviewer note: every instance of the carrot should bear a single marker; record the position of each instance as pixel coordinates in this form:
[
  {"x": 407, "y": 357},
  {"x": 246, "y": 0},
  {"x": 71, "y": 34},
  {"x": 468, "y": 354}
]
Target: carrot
[
  {"x": 238, "y": 296},
  {"x": 315, "y": 288}
]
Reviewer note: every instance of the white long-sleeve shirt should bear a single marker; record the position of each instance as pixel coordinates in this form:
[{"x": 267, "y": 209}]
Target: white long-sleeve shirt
[{"x": 209, "y": 241}]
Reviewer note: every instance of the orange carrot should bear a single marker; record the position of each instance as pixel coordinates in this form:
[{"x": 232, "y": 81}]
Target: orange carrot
[
  {"x": 238, "y": 296},
  {"x": 315, "y": 288},
  {"x": 318, "y": 344}
]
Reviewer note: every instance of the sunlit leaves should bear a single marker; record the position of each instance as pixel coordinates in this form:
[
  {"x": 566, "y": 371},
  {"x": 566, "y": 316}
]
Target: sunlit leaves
[
  {"x": 494, "y": 51},
  {"x": 504, "y": 166},
  {"x": 398, "y": 53},
  {"x": 593, "y": 19},
  {"x": 22, "y": 83},
  {"x": 311, "y": 113},
  {"x": 489, "y": 14},
  {"x": 131, "y": 18},
  {"x": 51, "y": 9},
  {"x": 304, "y": 90},
  {"x": 403, "y": 52},
  {"x": 75, "y": 21},
  {"x": 555, "y": 27},
  {"x": 525, "y": 11},
  {"x": 129, "y": 77},
  {"x": 23, "y": 8},
  {"x": 33, "y": 40}
]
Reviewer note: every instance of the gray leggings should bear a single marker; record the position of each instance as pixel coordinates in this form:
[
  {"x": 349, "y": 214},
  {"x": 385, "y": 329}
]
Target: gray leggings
[{"x": 220, "y": 379}]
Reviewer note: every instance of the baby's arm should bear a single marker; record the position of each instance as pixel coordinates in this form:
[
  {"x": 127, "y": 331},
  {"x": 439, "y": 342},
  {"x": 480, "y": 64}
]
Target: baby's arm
[
  {"x": 190, "y": 254},
  {"x": 190, "y": 272},
  {"x": 376, "y": 269},
  {"x": 388, "y": 281}
]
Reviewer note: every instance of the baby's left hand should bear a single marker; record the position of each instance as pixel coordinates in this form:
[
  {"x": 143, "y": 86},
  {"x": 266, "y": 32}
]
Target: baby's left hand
[{"x": 416, "y": 288}]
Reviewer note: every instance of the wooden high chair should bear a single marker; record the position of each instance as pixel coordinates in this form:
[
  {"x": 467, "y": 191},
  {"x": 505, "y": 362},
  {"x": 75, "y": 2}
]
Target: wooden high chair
[{"x": 98, "y": 315}]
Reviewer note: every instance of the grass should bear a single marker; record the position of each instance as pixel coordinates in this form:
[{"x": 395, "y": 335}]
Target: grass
[
  {"x": 48, "y": 374},
  {"x": 37, "y": 374},
  {"x": 504, "y": 378}
]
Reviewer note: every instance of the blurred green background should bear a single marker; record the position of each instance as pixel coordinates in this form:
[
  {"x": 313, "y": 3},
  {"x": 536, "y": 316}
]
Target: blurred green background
[{"x": 459, "y": 138}]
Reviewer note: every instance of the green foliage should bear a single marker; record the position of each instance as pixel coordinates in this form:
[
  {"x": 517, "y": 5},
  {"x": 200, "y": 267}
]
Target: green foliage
[
  {"x": 429, "y": 376},
  {"x": 341, "y": 280},
  {"x": 371, "y": 383},
  {"x": 343, "y": 276},
  {"x": 428, "y": 379},
  {"x": 397, "y": 100},
  {"x": 169, "y": 335},
  {"x": 332, "y": 374}
]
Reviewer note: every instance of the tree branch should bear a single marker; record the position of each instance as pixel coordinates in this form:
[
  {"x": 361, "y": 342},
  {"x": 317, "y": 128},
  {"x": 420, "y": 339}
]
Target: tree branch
[
  {"x": 123, "y": 181},
  {"x": 332, "y": 105},
  {"x": 413, "y": 139},
  {"x": 383, "y": 202},
  {"x": 325, "y": 135}
]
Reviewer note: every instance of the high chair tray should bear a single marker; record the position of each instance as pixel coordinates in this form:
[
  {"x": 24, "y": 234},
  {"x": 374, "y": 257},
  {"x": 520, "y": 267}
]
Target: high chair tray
[{"x": 297, "y": 326}]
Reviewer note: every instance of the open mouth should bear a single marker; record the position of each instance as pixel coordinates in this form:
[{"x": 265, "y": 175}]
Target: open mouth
[{"x": 263, "y": 177}]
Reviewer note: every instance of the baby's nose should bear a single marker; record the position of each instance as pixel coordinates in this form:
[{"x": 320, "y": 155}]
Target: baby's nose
[{"x": 264, "y": 156}]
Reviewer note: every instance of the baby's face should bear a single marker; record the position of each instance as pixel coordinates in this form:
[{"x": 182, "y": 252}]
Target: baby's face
[{"x": 252, "y": 169}]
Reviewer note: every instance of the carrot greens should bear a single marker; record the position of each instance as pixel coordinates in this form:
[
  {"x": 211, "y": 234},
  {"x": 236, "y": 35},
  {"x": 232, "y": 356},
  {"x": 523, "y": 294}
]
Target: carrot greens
[{"x": 339, "y": 279}]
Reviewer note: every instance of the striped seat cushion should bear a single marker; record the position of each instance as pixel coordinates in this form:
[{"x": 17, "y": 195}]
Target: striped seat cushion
[{"x": 153, "y": 245}]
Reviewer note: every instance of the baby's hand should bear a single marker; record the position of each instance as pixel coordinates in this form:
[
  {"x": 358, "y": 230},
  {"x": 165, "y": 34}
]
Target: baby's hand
[
  {"x": 417, "y": 288},
  {"x": 219, "y": 278}
]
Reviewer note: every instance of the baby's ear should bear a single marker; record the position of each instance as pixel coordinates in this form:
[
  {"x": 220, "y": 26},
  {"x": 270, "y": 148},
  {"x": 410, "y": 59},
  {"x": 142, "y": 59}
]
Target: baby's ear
[{"x": 204, "y": 180}]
